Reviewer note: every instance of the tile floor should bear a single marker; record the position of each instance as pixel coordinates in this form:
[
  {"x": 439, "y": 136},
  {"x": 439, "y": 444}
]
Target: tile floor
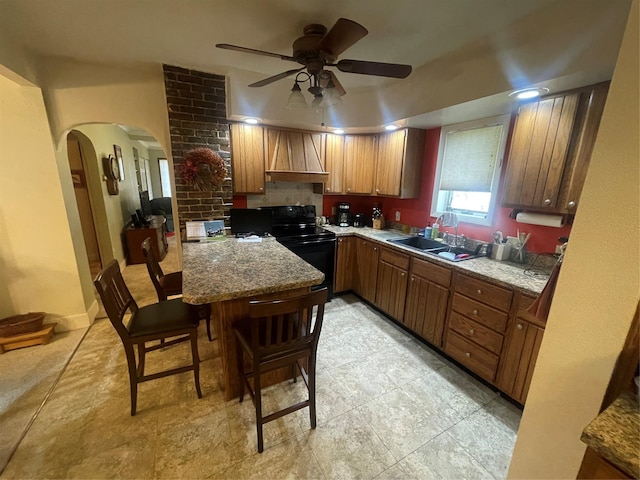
[{"x": 388, "y": 408}]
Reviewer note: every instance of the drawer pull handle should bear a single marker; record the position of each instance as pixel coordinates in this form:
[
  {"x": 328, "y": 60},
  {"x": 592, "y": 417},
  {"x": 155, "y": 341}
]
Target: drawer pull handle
[
  {"x": 479, "y": 292},
  {"x": 519, "y": 326},
  {"x": 467, "y": 354},
  {"x": 475, "y": 312},
  {"x": 471, "y": 331}
]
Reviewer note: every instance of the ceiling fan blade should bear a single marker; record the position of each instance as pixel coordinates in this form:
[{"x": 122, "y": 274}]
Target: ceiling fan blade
[
  {"x": 394, "y": 70},
  {"x": 227, "y": 46},
  {"x": 342, "y": 35},
  {"x": 340, "y": 89},
  {"x": 275, "y": 78}
]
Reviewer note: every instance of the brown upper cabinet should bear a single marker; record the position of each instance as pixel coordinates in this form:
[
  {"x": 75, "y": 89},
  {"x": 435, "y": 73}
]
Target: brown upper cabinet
[
  {"x": 248, "y": 158},
  {"x": 359, "y": 163},
  {"x": 399, "y": 163},
  {"x": 551, "y": 148},
  {"x": 334, "y": 163}
]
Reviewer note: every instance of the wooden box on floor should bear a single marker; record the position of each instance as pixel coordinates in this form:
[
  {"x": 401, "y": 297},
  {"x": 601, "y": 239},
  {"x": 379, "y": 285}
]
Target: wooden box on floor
[{"x": 41, "y": 337}]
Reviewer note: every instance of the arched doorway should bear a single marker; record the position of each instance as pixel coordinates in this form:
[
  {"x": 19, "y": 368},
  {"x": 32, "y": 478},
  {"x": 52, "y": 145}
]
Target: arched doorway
[{"x": 83, "y": 201}]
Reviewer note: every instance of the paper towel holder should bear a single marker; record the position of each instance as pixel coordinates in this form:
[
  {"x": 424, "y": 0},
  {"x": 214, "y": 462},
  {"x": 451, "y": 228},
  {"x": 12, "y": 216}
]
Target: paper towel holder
[{"x": 514, "y": 213}]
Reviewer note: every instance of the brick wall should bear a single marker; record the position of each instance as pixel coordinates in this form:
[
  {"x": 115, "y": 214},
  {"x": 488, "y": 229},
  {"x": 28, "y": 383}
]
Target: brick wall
[{"x": 196, "y": 102}]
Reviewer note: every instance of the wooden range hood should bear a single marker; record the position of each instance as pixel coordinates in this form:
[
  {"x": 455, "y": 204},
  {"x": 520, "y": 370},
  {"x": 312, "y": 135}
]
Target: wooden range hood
[{"x": 295, "y": 157}]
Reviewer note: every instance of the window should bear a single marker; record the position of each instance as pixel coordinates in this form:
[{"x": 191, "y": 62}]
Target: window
[
  {"x": 165, "y": 181},
  {"x": 468, "y": 170}
]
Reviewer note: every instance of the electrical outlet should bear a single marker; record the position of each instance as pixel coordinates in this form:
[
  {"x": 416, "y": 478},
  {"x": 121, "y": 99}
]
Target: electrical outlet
[
  {"x": 397, "y": 215},
  {"x": 558, "y": 249}
]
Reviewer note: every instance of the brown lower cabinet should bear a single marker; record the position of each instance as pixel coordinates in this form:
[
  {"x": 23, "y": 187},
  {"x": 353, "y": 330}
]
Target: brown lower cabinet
[
  {"x": 391, "y": 290},
  {"x": 345, "y": 264},
  {"x": 426, "y": 306},
  {"x": 367, "y": 253},
  {"x": 524, "y": 337},
  {"x": 481, "y": 325}
]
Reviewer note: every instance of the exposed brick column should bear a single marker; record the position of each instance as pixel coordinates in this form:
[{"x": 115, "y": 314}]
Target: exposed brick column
[{"x": 196, "y": 102}]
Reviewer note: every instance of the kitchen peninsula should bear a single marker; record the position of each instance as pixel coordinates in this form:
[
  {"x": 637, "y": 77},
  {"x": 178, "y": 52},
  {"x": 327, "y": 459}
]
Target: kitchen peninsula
[{"x": 228, "y": 274}]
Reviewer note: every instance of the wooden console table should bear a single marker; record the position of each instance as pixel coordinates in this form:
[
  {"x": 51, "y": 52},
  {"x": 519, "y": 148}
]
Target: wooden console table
[{"x": 135, "y": 236}]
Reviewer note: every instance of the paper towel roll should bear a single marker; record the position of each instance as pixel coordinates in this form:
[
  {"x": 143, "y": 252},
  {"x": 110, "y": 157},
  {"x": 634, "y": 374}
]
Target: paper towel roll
[{"x": 540, "y": 219}]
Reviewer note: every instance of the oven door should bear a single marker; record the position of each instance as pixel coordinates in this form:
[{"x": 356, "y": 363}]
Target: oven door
[{"x": 320, "y": 254}]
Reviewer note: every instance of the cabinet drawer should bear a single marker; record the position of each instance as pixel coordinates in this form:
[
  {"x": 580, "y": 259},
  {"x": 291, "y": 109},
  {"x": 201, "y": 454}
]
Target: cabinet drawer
[
  {"x": 484, "y": 292},
  {"x": 472, "y": 356},
  {"x": 481, "y": 313},
  {"x": 394, "y": 258},
  {"x": 431, "y": 272},
  {"x": 476, "y": 332}
]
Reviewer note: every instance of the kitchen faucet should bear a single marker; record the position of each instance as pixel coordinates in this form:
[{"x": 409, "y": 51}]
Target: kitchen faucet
[{"x": 449, "y": 219}]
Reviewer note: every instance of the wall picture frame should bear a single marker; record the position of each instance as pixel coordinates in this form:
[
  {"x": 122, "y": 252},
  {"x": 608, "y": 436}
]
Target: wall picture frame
[{"x": 118, "y": 153}]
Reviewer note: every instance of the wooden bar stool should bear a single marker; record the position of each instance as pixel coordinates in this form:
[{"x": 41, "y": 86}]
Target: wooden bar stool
[
  {"x": 276, "y": 334},
  {"x": 170, "y": 284},
  {"x": 162, "y": 320}
]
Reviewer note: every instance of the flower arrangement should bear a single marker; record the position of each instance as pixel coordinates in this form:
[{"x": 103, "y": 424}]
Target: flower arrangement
[{"x": 203, "y": 169}]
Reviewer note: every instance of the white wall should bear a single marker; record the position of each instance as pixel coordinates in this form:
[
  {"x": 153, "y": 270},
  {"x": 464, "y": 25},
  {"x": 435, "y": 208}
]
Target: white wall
[
  {"x": 598, "y": 289},
  {"x": 38, "y": 268}
]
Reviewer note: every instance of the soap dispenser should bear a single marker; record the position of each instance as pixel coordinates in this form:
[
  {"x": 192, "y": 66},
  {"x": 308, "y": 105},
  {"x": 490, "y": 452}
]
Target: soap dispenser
[{"x": 427, "y": 231}]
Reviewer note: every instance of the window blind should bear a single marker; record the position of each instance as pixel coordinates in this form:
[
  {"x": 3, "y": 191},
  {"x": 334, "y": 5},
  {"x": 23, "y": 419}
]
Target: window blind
[{"x": 470, "y": 157}]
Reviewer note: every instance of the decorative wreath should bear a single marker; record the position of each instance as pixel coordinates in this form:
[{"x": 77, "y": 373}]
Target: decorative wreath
[{"x": 203, "y": 169}]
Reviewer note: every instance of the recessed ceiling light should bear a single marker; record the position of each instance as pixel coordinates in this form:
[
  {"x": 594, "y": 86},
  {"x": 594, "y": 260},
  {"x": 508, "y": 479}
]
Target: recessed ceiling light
[
  {"x": 526, "y": 93},
  {"x": 339, "y": 131},
  {"x": 391, "y": 127},
  {"x": 252, "y": 121}
]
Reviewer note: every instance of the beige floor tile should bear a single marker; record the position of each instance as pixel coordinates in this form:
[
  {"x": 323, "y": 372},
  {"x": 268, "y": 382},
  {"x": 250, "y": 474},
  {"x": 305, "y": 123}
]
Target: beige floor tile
[
  {"x": 347, "y": 447},
  {"x": 489, "y": 435},
  {"x": 402, "y": 423},
  {"x": 441, "y": 458}
]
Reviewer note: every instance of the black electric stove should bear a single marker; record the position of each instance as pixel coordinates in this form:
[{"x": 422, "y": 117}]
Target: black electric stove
[{"x": 294, "y": 226}]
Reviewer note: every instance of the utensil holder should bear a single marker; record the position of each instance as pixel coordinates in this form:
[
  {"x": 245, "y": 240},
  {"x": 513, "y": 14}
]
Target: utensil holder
[{"x": 501, "y": 251}]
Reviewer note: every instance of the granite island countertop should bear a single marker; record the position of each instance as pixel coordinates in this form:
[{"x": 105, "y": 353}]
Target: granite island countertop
[
  {"x": 228, "y": 269},
  {"x": 615, "y": 434},
  {"x": 501, "y": 273}
]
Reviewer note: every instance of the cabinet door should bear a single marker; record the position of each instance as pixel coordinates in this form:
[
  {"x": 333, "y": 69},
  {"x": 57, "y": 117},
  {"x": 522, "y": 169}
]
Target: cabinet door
[
  {"x": 426, "y": 309},
  {"x": 248, "y": 158},
  {"x": 345, "y": 264},
  {"x": 391, "y": 290},
  {"x": 367, "y": 269},
  {"x": 539, "y": 148},
  {"x": 389, "y": 162},
  {"x": 590, "y": 109},
  {"x": 360, "y": 161},
  {"x": 334, "y": 163},
  {"x": 519, "y": 359}
]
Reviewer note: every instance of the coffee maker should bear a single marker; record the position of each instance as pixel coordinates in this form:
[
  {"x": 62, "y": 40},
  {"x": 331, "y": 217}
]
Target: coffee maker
[{"x": 343, "y": 214}]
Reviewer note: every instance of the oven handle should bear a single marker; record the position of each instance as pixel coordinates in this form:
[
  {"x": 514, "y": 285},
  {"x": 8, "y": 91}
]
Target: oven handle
[{"x": 311, "y": 242}]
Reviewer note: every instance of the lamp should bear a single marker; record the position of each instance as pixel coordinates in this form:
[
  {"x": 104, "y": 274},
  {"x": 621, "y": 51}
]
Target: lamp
[{"x": 322, "y": 96}]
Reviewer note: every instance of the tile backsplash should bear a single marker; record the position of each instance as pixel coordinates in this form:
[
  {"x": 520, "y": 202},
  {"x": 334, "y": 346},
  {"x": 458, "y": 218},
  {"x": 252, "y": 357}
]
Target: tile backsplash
[{"x": 286, "y": 193}]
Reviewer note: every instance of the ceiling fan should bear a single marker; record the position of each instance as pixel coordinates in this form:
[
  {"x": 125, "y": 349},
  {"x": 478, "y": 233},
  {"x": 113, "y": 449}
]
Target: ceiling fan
[{"x": 318, "y": 49}]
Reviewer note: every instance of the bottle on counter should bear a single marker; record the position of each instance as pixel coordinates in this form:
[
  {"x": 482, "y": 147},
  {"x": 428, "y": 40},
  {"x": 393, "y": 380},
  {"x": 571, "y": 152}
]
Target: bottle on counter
[
  {"x": 435, "y": 230},
  {"x": 428, "y": 230}
]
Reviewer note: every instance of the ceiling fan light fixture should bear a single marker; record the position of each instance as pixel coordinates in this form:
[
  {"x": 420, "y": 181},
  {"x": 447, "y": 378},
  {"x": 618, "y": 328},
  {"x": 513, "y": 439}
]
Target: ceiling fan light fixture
[
  {"x": 528, "y": 93},
  {"x": 296, "y": 99},
  {"x": 317, "y": 102},
  {"x": 330, "y": 95}
]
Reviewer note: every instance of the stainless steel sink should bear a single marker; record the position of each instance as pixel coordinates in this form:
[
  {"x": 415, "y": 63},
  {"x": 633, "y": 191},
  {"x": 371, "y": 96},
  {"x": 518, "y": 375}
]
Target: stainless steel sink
[
  {"x": 419, "y": 243},
  {"x": 432, "y": 247}
]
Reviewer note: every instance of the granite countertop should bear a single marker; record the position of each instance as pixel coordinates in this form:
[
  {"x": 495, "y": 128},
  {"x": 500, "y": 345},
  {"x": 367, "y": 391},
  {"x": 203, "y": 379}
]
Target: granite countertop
[
  {"x": 228, "y": 269},
  {"x": 500, "y": 273},
  {"x": 615, "y": 434}
]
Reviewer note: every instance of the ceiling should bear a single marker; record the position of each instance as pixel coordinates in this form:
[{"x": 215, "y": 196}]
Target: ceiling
[{"x": 466, "y": 54}]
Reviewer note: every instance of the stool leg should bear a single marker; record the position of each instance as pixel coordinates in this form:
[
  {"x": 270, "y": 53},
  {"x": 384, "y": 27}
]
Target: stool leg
[{"x": 196, "y": 360}]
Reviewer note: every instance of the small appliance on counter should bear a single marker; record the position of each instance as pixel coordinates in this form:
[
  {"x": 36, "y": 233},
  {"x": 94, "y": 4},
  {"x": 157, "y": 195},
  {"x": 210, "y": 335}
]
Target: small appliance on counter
[
  {"x": 343, "y": 214},
  {"x": 358, "y": 220}
]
